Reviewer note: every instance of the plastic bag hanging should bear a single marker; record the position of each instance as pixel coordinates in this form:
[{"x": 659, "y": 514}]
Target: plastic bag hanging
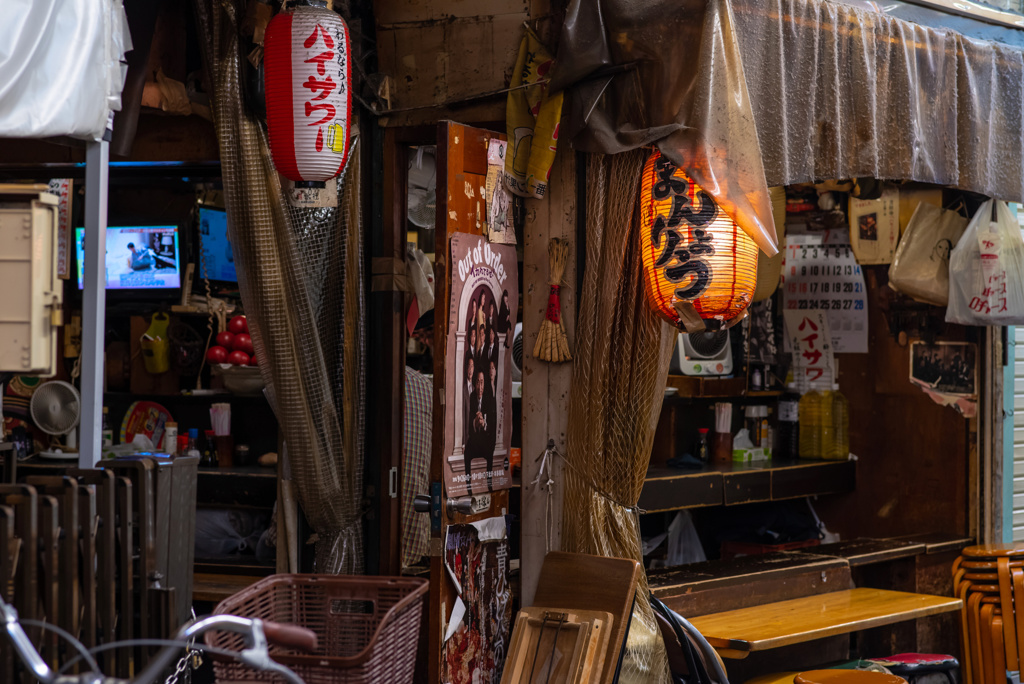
[{"x": 986, "y": 270}]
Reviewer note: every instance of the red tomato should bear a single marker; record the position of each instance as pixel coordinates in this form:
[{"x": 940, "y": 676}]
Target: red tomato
[
  {"x": 226, "y": 340},
  {"x": 216, "y": 354},
  {"x": 252, "y": 361},
  {"x": 238, "y": 358},
  {"x": 243, "y": 343},
  {"x": 238, "y": 325}
]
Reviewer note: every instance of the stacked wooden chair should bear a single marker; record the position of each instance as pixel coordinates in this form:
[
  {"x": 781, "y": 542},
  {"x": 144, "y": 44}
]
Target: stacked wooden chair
[{"x": 989, "y": 580}]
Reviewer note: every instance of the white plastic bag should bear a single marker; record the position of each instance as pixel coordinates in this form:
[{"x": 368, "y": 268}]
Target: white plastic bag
[
  {"x": 986, "y": 271},
  {"x": 921, "y": 265}
]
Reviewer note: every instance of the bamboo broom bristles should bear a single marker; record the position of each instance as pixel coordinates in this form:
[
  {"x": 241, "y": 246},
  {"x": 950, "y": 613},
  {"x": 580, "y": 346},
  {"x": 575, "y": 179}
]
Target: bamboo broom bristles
[{"x": 552, "y": 344}]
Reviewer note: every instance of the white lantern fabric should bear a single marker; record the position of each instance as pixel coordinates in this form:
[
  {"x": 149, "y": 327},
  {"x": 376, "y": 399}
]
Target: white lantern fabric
[{"x": 307, "y": 80}]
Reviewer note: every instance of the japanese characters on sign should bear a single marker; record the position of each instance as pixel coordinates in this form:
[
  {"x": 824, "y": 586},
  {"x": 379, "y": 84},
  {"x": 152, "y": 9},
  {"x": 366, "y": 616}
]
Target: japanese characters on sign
[
  {"x": 61, "y": 187},
  {"x": 826, "y": 277},
  {"x": 993, "y": 296},
  {"x": 810, "y": 339}
]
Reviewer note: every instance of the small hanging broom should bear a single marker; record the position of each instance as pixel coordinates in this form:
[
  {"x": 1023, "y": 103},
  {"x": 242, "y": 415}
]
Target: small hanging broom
[{"x": 552, "y": 344}]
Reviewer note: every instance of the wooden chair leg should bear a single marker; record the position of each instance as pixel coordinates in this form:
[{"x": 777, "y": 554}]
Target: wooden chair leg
[
  {"x": 975, "y": 631},
  {"x": 998, "y": 662},
  {"x": 1017, "y": 580},
  {"x": 965, "y": 637},
  {"x": 958, "y": 578},
  {"x": 987, "y": 658},
  {"x": 1009, "y": 624}
]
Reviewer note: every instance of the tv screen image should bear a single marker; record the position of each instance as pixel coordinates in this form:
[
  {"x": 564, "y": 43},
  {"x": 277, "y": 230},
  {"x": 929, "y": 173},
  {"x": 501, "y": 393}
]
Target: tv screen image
[
  {"x": 217, "y": 257},
  {"x": 138, "y": 257}
]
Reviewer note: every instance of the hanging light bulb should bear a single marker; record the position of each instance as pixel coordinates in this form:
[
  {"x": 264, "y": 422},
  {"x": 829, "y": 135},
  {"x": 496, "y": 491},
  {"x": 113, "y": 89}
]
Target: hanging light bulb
[
  {"x": 308, "y": 85},
  {"x": 700, "y": 267}
]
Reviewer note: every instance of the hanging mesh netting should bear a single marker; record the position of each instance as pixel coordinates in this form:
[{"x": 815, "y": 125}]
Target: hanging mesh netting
[
  {"x": 618, "y": 381},
  {"x": 300, "y": 276}
]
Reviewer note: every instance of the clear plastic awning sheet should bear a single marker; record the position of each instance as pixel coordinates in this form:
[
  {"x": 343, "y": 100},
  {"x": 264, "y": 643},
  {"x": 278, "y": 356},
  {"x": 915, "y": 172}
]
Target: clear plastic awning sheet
[
  {"x": 745, "y": 94},
  {"x": 61, "y": 70}
]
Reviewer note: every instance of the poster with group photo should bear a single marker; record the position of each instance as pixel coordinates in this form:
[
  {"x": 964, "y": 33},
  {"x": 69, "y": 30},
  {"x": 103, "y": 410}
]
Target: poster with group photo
[{"x": 478, "y": 365}]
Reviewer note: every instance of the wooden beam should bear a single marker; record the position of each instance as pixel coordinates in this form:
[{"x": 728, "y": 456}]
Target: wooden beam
[{"x": 545, "y": 386}]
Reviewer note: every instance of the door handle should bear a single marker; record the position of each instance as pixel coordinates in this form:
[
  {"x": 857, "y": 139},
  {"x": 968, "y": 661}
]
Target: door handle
[
  {"x": 456, "y": 506},
  {"x": 421, "y": 503}
]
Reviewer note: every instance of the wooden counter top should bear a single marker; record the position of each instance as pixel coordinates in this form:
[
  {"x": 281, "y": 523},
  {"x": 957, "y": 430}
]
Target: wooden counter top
[{"x": 736, "y": 633}]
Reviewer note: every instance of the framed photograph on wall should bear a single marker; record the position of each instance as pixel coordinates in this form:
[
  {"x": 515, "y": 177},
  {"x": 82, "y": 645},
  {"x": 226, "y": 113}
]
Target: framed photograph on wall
[{"x": 945, "y": 367}]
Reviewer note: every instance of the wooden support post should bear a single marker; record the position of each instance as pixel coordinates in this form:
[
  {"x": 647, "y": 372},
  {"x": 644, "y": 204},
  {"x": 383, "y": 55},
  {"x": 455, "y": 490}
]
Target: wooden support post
[{"x": 545, "y": 386}]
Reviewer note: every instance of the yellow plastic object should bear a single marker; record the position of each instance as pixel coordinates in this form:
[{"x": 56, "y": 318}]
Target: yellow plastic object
[
  {"x": 532, "y": 115},
  {"x": 155, "y": 347}
]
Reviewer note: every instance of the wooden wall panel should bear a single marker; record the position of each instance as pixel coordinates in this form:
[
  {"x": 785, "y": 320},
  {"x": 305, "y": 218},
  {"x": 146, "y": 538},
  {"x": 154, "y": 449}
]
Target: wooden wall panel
[
  {"x": 545, "y": 385},
  {"x": 912, "y": 469}
]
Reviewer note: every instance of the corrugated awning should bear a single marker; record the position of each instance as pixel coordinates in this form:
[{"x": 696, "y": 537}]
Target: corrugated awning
[{"x": 749, "y": 93}]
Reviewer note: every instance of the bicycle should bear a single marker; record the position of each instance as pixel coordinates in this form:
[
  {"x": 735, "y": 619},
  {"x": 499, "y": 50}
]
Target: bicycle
[{"x": 259, "y": 634}]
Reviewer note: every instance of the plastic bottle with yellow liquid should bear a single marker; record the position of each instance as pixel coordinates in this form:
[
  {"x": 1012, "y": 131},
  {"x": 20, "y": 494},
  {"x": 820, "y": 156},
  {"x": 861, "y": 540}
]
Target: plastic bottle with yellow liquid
[
  {"x": 810, "y": 424},
  {"x": 839, "y": 449}
]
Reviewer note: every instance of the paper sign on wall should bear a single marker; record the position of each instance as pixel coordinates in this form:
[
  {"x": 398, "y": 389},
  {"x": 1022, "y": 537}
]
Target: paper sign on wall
[
  {"x": 827, "y": 277},
  {"x": 61, "y": 187},
  {"x": 810, "y": 340},
  {"x": 478, "y": 366},
  {"x": 875, "y": 227}
]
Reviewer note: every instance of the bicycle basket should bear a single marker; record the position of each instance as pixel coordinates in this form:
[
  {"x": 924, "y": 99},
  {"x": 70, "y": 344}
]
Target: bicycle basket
[{"x": 368, "y": 627}]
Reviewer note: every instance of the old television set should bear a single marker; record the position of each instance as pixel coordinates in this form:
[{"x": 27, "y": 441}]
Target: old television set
[
  {"x": 216, "y": 258},
  {"x": 138, "y": 258}
]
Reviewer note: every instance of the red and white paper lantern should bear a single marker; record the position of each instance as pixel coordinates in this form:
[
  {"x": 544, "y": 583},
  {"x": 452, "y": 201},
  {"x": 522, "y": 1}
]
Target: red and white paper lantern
[{"x": 308, "y": 85}]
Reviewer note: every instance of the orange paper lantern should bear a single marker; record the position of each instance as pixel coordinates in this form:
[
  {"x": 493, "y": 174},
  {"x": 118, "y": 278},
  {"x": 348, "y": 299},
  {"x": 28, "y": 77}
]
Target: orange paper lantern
[{"x": 695, "y": 256}]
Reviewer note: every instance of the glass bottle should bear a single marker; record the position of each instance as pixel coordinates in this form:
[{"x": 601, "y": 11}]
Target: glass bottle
[
  {"x": 107, "y": 433},
  {"x": 789, "y": 425},
  {"x": 701, "y": 448},
  {"x": 193, "y": 447}
]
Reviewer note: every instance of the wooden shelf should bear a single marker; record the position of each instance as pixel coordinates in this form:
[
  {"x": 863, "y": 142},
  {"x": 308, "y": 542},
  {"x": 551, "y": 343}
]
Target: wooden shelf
[
  {"x": 668, "y": 489},
  {"x": 694, "y": 387},
  {"x": 698, "y": 387}
]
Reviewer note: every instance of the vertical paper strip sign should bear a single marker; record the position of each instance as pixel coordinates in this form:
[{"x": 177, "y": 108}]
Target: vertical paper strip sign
[{"x": 811, "y": 342}]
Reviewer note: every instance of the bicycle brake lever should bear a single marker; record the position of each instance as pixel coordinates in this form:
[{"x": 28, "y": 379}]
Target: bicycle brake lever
[{"x": 257, "y": 656}]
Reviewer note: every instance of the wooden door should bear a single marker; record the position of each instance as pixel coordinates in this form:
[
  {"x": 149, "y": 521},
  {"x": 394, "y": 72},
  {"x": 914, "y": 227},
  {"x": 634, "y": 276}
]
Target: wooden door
[{"x": 461, "y": 175}]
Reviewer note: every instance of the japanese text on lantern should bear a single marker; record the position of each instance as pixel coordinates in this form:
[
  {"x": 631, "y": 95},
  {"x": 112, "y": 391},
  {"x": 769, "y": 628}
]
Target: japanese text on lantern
[
  {"x": 682, "y": 258},
  {"x": 320, "y": 88}
]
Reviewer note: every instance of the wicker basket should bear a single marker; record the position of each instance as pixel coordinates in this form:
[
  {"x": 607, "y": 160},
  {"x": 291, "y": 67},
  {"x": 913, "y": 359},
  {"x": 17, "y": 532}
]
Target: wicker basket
[{"x": 368, "y": 627}]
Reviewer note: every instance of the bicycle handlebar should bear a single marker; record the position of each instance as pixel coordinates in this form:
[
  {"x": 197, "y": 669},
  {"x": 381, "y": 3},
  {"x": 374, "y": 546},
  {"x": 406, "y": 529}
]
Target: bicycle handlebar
[{"x": 257, "y": 634}]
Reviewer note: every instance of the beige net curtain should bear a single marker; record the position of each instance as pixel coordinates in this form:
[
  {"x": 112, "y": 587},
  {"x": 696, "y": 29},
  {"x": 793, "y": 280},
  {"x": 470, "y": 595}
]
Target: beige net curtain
[
  {"x": 300, "y": 276},
  {"x": 618, "y": 383}
]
